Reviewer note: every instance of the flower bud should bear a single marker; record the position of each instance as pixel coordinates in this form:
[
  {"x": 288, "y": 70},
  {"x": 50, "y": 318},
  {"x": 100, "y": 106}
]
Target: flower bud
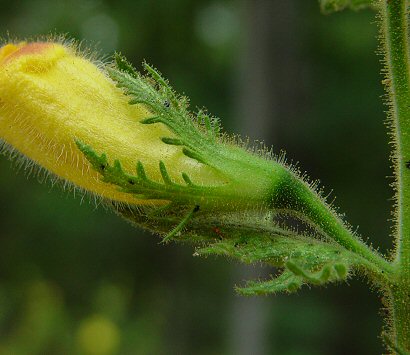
[{"x": 52, "y": 96}]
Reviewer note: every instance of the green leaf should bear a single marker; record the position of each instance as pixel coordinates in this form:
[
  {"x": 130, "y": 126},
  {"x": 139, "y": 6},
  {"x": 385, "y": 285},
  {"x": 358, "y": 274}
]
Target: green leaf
[{"x": 329, "y": 6}]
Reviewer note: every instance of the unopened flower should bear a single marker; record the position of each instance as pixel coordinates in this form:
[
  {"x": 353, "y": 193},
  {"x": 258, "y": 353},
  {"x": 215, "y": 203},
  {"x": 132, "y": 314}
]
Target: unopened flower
[
  {"x": 52, "y": 96},
  {"x": 130, "y": 138}
]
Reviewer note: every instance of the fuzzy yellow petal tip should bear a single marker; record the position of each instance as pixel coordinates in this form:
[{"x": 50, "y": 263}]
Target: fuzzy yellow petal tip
[
  {"x": 9, "y": 49},
  {"x": 31, "y": 57}
]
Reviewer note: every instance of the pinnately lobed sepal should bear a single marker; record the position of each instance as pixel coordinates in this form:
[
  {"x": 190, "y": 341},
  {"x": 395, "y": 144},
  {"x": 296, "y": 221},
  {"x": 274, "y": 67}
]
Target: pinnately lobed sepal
[{"x": 52, "y": 96}]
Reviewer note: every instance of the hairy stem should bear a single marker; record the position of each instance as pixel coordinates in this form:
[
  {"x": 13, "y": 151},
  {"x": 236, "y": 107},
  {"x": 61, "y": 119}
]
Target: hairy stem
[
  {"x": 396, "y": 48},
  {"x": 297, "y": 196}
]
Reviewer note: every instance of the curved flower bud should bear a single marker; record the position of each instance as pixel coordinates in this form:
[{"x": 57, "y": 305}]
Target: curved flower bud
[
  {"x": 131, "y": 138},
  {"x": 51, "y": 96}
]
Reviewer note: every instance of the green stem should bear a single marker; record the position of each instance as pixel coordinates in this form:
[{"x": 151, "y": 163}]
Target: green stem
[
  {"x": 396, "y": 48},
  {"x": 322, "y": 215},
  {"x": 295, "y": 195}
]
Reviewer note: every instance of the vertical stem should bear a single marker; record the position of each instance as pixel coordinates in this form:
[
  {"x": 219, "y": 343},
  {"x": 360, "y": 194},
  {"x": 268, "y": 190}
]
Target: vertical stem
[
  {"x": 396, "y": 48},
  {"x": 397, "y": 60}
]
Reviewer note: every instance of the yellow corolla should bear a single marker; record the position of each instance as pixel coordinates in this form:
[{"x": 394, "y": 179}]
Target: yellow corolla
[{"x": 51, "y": 95}]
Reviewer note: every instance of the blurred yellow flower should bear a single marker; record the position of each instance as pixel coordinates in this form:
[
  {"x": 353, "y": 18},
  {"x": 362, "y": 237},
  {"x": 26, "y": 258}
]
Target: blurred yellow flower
[
  {"x": 51, "y": 95},
  {"x": 97, "y": 335}
]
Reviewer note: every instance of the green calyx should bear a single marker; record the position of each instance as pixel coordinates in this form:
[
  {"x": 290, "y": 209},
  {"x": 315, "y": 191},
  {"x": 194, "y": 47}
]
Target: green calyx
[
  {"x": 247, "y": 178},
  {"x": 247, "y": 216}
]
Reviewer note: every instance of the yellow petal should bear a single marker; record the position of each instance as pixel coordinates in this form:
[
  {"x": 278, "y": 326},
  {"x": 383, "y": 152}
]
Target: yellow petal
[{"x": 50, "y": 95}]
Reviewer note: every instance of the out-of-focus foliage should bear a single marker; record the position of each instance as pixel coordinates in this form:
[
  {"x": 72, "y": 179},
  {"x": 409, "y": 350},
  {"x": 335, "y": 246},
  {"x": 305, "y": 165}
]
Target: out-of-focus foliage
[
  {"x": 74, "y": 279},
  {"x": 329, "y": 6}
]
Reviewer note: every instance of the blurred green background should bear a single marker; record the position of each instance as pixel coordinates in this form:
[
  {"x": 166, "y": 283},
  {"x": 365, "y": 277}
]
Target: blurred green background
[{"x": 76, "y": 279}]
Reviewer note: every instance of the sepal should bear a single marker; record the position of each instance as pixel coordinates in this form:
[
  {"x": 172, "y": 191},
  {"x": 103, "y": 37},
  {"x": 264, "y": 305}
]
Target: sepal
[
  {"x": 196, "y": 132},
  {"x": 303, "y": 260},
  {"x": 278, "y": 248},
  {"x": 140, "y": 184}
]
